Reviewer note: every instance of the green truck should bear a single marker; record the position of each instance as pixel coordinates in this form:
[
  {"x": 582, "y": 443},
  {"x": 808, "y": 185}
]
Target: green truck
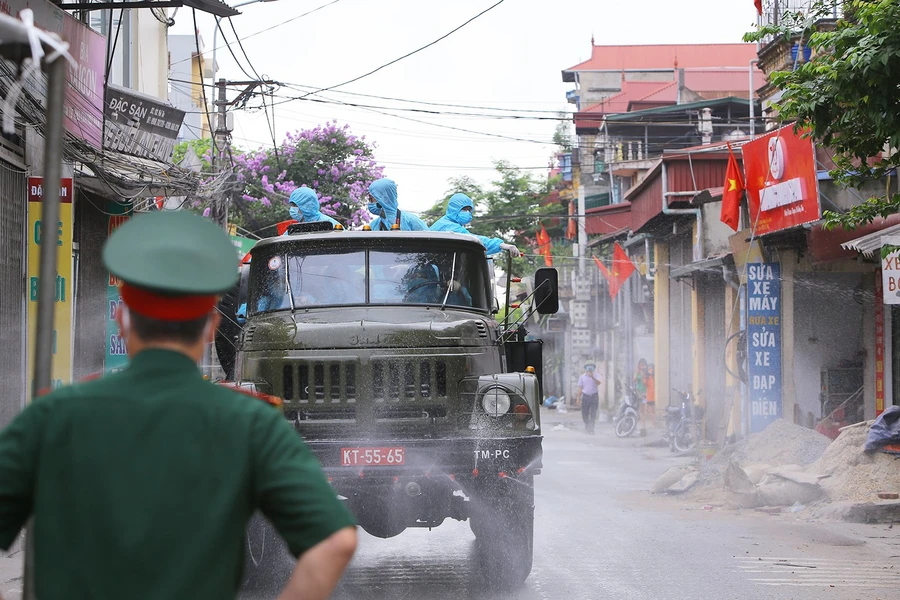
[{"x": 391, "y": 365}]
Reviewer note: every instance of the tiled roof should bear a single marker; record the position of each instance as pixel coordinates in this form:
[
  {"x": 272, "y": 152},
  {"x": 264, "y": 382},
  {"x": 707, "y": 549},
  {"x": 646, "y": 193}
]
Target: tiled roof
[
  {"x": 721, "y": 80},
  {"x": 667, "y": 56},
  {"x": 631, "y": 91}
]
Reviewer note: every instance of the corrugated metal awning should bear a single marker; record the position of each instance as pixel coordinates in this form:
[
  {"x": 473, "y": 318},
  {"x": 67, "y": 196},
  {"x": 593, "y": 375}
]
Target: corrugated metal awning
[
  {"x": 869, "y": 244},
  {"x": 710, "y": 264},
  {"x": 609, "y": 237}
]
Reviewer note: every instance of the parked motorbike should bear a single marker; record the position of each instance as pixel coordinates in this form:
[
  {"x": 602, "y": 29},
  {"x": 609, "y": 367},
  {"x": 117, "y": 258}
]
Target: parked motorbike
[
  {"x": 683, "y": 422},
  {"x": 627, "y": 417}
]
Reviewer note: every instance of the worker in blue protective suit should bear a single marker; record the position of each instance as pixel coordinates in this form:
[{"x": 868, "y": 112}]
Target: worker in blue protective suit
[
  {"x": 383, "y": 204},
  {"x": 458, "y": 215},
  {"x": 305, "y": 208}
]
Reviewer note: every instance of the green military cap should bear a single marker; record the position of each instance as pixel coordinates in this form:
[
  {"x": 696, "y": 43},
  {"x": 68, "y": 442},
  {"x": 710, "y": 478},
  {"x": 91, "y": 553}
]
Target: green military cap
[{"x": 173, "y": 253}]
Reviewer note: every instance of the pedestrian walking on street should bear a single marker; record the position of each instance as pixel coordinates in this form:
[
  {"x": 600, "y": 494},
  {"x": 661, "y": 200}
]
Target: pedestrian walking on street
[
  {"x": 650, "y": 412},
  {"x": 641, "y": 384},
  {"x": 141, "y": 483},
  {"x": 589, "y": 397},
  {"x": 388, "y": 216}
]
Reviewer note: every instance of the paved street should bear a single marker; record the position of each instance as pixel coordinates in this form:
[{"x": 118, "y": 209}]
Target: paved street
[{"x": 600, "y": 535}]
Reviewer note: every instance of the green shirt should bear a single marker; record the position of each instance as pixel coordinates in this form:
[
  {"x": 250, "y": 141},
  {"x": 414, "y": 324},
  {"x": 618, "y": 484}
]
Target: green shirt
[{"x": 141, "y": 484}]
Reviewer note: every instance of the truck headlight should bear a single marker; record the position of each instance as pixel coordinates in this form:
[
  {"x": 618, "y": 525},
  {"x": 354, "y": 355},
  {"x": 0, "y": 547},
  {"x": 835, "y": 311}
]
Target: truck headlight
[{"x": 496, "y": 402}]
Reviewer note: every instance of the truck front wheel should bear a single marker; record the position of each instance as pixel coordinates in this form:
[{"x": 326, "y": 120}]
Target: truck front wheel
[{"x": 502, "y": 519}]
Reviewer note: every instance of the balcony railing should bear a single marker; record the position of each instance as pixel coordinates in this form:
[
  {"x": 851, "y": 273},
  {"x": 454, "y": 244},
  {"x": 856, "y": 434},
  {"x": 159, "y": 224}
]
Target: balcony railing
[{"x": 776, "y": 12}]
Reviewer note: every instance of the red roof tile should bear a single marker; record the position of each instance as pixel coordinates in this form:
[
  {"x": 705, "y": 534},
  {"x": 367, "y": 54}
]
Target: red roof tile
[
  {"x": 721, "y": 80},
  {"x": 665, "y": 56},
  {"x": 631, "y": 91}
]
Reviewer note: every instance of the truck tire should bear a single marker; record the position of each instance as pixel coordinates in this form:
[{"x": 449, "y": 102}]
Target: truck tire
[
  {"x": 504, "y": 531},
  {"x": 228, "y": 332},
  {"x": 267, "y": 560}
]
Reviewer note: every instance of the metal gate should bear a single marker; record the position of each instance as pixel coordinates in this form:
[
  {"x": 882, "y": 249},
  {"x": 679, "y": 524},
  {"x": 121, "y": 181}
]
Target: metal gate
[{"x": 12, "y": 291}]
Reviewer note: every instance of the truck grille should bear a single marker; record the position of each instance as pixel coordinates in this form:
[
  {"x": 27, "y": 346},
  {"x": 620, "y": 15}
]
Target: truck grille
[{"x": 337, "y": 381}]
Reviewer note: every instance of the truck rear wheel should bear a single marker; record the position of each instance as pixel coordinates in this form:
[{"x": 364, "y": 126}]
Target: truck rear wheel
[
  {"x": 267, "y": 561},
  {"x": 503, "y": 524}
]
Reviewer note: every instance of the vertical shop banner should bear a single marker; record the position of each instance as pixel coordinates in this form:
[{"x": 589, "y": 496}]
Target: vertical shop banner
[
  {"x": 764, "y": 343},
  {"x": 879, "y": 348},
  {"x": 61, "y": 369},
  {"x": 890, "y": 269},
  {"x": 116, "y": 355},
  {"x": 782, "y": 186}
]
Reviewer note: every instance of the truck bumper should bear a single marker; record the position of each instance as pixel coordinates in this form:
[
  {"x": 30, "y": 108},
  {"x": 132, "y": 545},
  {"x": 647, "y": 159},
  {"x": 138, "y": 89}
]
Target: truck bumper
[{"x": 456, "y": 458}]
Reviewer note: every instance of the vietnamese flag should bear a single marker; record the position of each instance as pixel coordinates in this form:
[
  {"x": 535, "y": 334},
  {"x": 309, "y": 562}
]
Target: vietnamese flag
[
  {"x": 543, "y": 240},
  {"x": 622, "y": 268},
  {"x": 758, "y": 5},
  {"x": 603, "y": 269},
  {"x": 731, "y": 195}
]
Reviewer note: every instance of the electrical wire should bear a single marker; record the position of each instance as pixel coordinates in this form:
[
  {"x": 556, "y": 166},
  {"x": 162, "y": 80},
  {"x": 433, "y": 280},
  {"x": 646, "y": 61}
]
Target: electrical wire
[
  {"x": 279, "y": 24},
  {"x": 203, "y": 88},
  {"x": 408, "y": 54}
]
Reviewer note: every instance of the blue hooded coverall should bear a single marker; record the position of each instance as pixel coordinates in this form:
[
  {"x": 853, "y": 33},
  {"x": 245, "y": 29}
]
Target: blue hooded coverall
[
  {"x": 385, "y": 193},
  {"x": 304, "y": 207},
  {"x": 456, "y": 218}
]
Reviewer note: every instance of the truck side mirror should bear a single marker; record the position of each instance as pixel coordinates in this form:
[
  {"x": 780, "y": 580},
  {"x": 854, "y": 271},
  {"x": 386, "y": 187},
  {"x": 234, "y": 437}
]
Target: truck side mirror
[{"x": 546, "y": 291}]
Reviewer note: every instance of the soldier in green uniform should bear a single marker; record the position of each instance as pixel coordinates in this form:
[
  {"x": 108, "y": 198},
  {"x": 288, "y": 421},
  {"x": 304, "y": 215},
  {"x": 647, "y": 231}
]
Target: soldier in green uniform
[{"x": 141, "y": 483}]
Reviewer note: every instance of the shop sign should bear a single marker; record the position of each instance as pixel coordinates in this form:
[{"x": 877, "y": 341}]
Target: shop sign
[
  {"x": 116, "y": 352},
  {"x": 140, "y": 125},
  {"x": 242, "y": 244},
  {"x": 764, "y": 343},
  {"x": 61, "y": 366},
  {"x": 782, "y": 187},
  {"x": 83, "y": 111},
  {"x": 890, "y": 269},
  {"x": 879, "y": 349}
]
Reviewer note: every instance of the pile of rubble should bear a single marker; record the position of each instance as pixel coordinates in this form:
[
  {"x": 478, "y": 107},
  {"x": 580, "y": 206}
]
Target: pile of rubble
[
  {"x": 851, "y": 475},
  {"x": 788, "y": 465}
]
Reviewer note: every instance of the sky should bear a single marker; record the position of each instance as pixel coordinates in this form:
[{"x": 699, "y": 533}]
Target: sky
[{"x": 511, "y": 57}]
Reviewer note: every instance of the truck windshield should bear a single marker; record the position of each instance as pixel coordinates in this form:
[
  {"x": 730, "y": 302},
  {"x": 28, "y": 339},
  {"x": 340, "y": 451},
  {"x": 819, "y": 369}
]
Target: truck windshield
[{"x": 341, "y": 279}]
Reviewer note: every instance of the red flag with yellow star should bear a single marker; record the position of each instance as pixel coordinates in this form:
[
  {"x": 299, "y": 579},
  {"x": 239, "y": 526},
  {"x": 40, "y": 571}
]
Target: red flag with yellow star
[
  {"x": 621, "y": 270},
  {"x": 731, "y": 196}
]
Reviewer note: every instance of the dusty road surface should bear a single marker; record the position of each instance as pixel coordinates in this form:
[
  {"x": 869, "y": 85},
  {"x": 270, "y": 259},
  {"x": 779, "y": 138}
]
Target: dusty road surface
[{"x": 600, "y": 535}]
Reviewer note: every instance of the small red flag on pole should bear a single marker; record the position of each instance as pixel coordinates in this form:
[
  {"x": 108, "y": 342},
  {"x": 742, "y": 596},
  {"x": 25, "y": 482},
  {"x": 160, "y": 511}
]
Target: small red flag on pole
[
  {"x": 622, "y": 268},
  {"x": 731, "y": 195}
]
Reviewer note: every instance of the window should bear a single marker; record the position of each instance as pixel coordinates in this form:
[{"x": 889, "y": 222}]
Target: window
[{"x": 303, "y": 280}]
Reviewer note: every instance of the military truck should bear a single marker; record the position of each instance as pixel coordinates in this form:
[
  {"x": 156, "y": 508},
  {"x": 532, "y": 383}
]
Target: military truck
[{"x": 391, "y": 365}]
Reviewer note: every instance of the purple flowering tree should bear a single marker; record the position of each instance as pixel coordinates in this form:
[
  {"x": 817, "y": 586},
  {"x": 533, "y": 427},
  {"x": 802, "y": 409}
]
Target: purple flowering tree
[{"x": 338, "y": 165}]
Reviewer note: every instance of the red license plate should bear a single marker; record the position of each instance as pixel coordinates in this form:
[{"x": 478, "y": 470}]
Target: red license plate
[{"x": 372, "y": 457}]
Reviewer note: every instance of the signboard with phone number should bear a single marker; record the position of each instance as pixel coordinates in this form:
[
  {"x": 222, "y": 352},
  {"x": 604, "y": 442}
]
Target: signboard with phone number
[{"x": 764, "y": 343}]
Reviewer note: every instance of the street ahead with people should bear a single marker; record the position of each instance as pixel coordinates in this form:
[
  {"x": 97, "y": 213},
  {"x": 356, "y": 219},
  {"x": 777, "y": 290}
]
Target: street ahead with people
[{"x": 386, "y": 300}]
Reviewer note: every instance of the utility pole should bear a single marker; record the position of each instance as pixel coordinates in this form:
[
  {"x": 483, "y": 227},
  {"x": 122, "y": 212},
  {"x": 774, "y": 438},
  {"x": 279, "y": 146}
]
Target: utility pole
[
  {"x": 222, "y": 136},
  {"x": 222, "y": 141}
]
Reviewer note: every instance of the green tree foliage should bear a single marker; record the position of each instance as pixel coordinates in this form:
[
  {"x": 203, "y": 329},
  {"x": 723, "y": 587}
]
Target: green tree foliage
[
  {"x": 510, "y": 207},
  {"x": 513, "y": 206},
  {"x": 562, "y": 136},
  {"x": 847, "y": 93},
  {"x": 462, "y": 184},
  {"x": 202, "y": 148}
]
